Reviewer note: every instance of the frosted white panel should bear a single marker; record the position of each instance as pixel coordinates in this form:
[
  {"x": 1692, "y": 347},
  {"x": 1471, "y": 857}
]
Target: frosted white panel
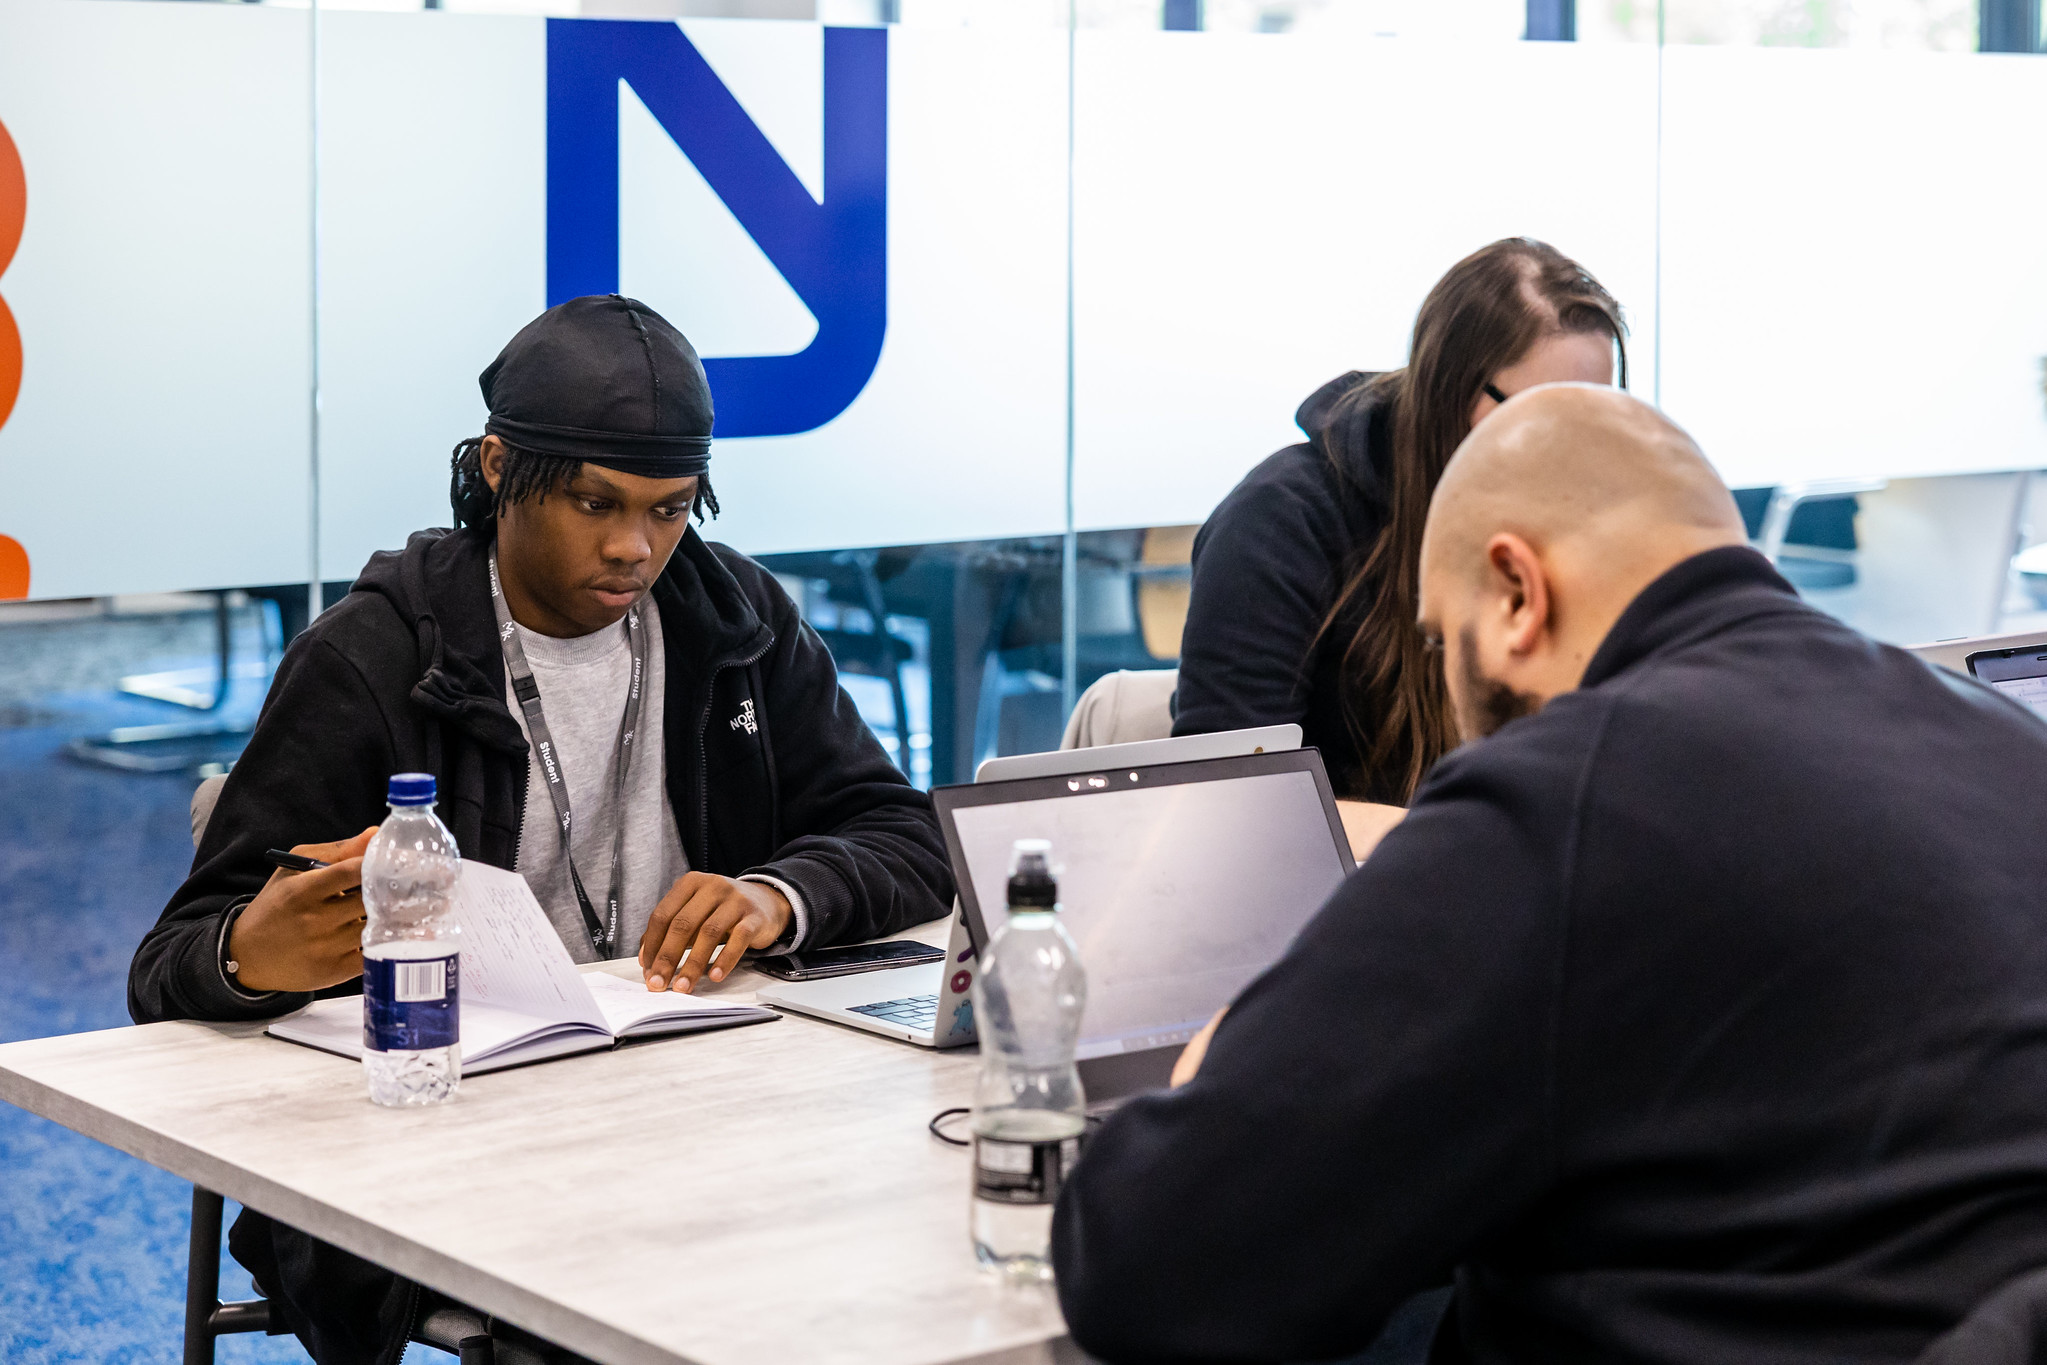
[
  {"x": 162, "y": 291},
  {"x": 434, "y": 252},
  {"x": 1257, "y": 214},
  {"x": 960, "y": 434},
  {"x": 1853, "y": 282},
  {"x": 681, "y": 251}
]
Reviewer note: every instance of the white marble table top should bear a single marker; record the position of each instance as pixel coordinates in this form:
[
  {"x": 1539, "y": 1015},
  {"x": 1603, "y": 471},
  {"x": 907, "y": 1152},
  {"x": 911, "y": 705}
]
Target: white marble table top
[{"x": 764, "y": 1194}]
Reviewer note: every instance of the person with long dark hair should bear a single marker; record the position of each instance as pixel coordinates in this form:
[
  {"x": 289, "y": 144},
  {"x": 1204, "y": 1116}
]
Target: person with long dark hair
[{"x": 1305, "y": 576}]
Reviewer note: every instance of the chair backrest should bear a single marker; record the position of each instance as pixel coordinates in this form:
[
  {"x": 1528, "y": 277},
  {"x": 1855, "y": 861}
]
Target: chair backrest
[
  {"x": 1165, "y": 585},
  {"x": 203, "y": 802},
  {"x": 1935, "y": 557},
  {"x": 1119, "y": 707}
]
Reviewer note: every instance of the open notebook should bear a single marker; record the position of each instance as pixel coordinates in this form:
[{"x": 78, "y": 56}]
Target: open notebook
[{"x": 522, "y": 998}]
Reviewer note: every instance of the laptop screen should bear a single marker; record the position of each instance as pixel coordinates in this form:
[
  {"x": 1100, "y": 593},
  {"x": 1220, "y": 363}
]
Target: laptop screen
[{"x": 1179, "y": 883}]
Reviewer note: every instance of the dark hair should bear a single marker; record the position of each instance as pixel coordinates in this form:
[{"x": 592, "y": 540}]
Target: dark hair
[
  {"x": 1481, "y": 317},
  {"x": 526, "y": 474}
]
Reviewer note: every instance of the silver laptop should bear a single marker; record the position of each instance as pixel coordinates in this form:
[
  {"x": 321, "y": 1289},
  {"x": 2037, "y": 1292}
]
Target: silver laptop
[
  {"x": 1179, "y": 883},
  {"x": 1141, "y": 753},
  {"x": 1953, "y": 654},
  {"x": 932, "y": 1004}
]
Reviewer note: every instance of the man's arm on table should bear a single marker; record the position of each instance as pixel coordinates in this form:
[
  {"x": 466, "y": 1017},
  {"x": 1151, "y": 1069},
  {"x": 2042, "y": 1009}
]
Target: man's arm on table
[
  {"x": 862, "y": 846},
  {"x": 314, "y": 771},
  {"x": 1366, "y": 1112},
  {"x": 1365, "y": 823},
  {"x": 862, "y": 852}
]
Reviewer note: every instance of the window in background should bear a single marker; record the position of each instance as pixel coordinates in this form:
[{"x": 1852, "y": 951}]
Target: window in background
[
  {"x": 953, "y": 652},
  {"x": 1457, "y": 20},
  {"x": 1036, "y": 14},
  {"x": 1923, "y": 25}
]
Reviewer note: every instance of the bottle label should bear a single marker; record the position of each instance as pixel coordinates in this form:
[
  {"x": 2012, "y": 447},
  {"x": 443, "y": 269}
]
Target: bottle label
[
  {"x": 410, "y": 1004},
  {"x": 1022, "y": 1172}
]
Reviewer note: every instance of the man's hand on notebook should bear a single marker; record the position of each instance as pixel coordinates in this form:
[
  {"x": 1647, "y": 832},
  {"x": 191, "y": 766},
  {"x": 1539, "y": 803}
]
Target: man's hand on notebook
[
  {"x": 700, "y": 912},
  {"x": 303, "y": 932}
]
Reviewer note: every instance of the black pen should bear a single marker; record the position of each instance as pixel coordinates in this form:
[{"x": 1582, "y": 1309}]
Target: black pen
[{"x": 292, "y": 862}]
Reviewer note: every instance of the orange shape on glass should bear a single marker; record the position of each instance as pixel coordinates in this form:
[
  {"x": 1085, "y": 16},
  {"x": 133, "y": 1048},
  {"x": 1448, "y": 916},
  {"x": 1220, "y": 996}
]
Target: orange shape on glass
[
  {"x": 13, "y": 209},
  {"x": 13, "y": 569},
  {"x": 10, "y": 362},
  {"x": 13, "y": 198}
]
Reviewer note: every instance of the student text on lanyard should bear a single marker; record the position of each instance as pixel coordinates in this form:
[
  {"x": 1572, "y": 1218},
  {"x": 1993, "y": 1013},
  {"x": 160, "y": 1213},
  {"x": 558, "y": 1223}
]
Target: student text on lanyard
[{"x": 604, "y": 932}]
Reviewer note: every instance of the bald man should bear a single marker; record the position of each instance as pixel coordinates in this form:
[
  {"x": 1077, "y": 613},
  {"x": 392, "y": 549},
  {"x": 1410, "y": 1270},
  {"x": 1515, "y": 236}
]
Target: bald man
[{"x": 1697, "y": 1011}]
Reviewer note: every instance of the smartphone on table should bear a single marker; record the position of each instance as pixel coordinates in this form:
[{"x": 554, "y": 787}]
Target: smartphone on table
[
  {"x": 814, "y": 963},
  {"x": 2020, "y": 673}
]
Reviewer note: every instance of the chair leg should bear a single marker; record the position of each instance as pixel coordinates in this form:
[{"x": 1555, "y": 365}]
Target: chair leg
[
  {"x": 202, "y": 1276},
  {"x": 877, "y": 611}
]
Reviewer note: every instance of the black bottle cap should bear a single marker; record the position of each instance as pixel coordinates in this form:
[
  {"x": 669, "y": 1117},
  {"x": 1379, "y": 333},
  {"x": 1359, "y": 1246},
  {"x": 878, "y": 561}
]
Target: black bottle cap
[{"x": 1031, "y": 883}]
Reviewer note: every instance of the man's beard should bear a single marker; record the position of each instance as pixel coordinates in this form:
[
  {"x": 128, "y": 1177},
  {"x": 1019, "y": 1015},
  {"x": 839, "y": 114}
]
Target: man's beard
[{"x": 1488, "y": 702}]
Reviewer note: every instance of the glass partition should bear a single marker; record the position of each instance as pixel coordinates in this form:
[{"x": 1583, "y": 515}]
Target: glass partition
[
  {"x": 156, "y": 479},
  {"x": 1000, "y": 298},
  {"x": 1852, "y": 307},
  {"x": 1260, "y": 206}
]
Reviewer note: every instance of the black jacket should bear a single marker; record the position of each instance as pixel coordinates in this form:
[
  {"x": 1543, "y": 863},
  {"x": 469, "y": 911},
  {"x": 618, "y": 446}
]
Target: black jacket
[
  {"x": 1700, "y": 1017},
  {"x": 405, "y": 674},
  {"x": 1267, "y": 567}
]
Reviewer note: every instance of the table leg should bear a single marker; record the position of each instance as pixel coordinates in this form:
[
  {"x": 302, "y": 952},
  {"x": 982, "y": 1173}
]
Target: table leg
[{"x": 202, "y": 1276}]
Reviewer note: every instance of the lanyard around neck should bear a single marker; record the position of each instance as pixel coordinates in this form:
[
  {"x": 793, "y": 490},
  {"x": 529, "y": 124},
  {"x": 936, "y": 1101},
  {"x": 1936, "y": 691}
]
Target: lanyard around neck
[{"x": 603, "y": 932}]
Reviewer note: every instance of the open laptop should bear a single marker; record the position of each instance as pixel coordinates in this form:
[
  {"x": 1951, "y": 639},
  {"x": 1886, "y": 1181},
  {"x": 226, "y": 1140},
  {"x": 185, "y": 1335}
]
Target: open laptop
[
  {"x": 932, "y": 1004},
  {"x": 1180, "y": 883},
  {"x": 1141, "y": 753}
]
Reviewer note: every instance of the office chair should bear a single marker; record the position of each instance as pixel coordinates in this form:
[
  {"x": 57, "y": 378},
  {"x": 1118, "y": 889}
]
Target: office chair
[
  {"x": 1117, "y": 708},
  {"x": 876, "y": 652},
  {"x": 1926, "y": 558},
  {"x": 170, "y": 746}
]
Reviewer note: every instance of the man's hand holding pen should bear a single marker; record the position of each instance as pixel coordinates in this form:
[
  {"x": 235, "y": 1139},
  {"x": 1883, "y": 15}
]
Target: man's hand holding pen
[{"x": 303, "y": 932}]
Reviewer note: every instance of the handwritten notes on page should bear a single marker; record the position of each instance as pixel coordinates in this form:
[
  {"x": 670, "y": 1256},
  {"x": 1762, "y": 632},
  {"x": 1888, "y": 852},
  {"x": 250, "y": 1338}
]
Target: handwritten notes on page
[{"x": 511, "y": 956}]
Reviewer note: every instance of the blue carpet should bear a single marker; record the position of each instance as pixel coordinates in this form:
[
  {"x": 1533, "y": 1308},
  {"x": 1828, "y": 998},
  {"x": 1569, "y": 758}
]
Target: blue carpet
[{"x": 92, "y": 1242}]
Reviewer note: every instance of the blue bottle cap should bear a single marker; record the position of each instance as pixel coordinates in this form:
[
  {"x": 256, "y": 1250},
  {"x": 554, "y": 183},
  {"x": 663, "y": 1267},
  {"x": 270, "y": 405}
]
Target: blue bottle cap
[{"x": 411, "y": 789}]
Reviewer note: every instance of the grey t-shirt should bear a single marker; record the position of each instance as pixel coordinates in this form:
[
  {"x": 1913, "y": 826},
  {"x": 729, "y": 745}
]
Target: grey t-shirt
[{"x": 583, "y": 684}]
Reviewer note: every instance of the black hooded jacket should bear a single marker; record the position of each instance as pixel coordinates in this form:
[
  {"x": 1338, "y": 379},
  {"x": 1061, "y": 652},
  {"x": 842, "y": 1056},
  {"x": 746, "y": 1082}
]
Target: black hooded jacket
[
  {"x": 405, "y": 674},
  {"x": 1699, "y": 1018},
  {"x": 1268, "y": 564}
]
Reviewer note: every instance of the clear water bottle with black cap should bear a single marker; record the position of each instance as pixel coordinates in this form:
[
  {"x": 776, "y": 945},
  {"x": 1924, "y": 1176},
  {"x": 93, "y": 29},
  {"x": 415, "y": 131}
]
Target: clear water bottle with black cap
[
  {"x": 1029, "y": 1111},
  {"x": 411, "y": 986}
]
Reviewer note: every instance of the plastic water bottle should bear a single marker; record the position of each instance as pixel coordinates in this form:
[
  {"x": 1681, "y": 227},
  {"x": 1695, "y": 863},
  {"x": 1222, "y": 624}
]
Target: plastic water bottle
[
  {"x": 1029, "y": 1111},
  {"x": 411, "y": 989}
]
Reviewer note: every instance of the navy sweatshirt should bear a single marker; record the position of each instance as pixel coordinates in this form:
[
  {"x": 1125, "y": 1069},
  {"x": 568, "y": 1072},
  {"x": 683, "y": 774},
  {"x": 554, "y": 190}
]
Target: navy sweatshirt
[
  {"x": 1268, "y": 564},
  {"x": 1700, "y": 1017}
]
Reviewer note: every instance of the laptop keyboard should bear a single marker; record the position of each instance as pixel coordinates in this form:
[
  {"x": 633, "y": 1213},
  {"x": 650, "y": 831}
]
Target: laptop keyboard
[{"x": 912, "y": 1011}]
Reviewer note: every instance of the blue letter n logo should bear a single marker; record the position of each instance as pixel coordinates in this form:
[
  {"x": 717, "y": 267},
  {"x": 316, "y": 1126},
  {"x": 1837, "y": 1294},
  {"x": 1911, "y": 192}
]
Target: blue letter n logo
[{"x": 834, "y": 255}]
